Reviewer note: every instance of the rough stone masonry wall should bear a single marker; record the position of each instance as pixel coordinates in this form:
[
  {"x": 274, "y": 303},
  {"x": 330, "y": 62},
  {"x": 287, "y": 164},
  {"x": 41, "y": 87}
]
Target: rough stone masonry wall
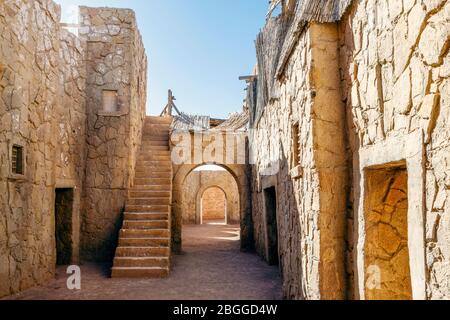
[
  {"x": 197, "y": 182},
  {"x": 395, "y": 70},
  {"x": 71, "y": 114},
  {"x": 29, "y": 81},
  {"x": 310, "y": 205},
  {"x": 115, "y": 60},
  {"x": 273, "y": 138}
]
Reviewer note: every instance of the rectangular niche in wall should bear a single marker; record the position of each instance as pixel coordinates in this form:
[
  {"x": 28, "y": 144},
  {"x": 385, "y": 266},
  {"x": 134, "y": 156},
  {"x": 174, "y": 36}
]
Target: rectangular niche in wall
[
  {"x": 390, "y": 203},
  {"x": 387, "y": 270},
  {"x": 110, "y": 103},
  {"x": 63, "y": 225}
]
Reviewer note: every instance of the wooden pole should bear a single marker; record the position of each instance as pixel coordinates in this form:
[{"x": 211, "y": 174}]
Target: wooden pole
[{"x": 170, "y": 103}]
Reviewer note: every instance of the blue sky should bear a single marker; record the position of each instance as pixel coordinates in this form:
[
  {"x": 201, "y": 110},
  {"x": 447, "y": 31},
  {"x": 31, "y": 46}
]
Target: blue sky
[{"x": 198, "y": 48}]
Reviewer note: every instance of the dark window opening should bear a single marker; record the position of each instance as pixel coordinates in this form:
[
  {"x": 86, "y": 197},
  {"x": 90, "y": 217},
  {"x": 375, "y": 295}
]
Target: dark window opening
[
  {"x": 270, "y": 202},
  {"x": 63, "y": 226},
  {"x": 296, "y": 145},
  {"x": 17, "y": 159}
]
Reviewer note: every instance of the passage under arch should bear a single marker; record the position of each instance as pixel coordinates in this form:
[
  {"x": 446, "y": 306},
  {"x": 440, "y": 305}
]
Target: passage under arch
[
  {"x": 226, "y": 199},
  {"x": 213, "y": 206}
]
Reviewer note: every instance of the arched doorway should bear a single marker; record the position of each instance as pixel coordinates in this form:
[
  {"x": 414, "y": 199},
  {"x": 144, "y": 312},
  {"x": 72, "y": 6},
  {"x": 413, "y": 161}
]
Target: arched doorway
[
  {"x": 213, "y": 206},
  {"x": 186, "y": 200},
  {"x": 198, "y": 183}
]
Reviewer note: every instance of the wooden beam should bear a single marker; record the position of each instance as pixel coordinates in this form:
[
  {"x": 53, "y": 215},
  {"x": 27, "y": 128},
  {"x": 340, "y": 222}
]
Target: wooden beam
[
  {"x": 273, "y": 5},
  {"x": 247, "y": 78}
]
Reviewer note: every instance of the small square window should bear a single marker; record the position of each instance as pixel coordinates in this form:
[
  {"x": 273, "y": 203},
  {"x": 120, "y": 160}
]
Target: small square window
[
  {"x": 110, "y": 101},
  {"x": 17, "y": 163}
]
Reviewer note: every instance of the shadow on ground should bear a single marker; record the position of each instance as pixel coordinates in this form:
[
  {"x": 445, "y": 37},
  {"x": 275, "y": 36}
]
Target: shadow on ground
[{"x": 210, "y": 268}]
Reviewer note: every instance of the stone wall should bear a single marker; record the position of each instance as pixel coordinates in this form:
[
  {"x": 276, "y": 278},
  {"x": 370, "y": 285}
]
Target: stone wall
[
  {"x": 388, "y": 63},
  {"x": 311, "y": 194},
  {"x": 395, "y": 71},
  {"x": 213, "y": 204},
  {"x": 240, "y": 174},
  {"x": 71, "y": 129},
  {"x": 29, "y": 97},
  {"x": 50, "y": 93},
  {"x": 197, "y": 182},
  {"x": 115, "y": 62}
]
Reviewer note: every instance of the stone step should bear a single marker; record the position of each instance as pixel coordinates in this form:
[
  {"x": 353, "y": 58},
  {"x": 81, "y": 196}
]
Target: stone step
[
  {"x": 152, "y": 181},
  {"x": 154, "y": 119},
  {"x": 148, "y": 201},
  {"x": 156, "y": 126},
  {"x": 150, "y": 152},
  {"x": 142, "y": 252},
  {"x": 155, "y": 157},
  {"x": 148, "y": 138},
  {"x": 150, "y": 233},
  {"x": 157, "y": 137},
  {"x": 146, "y": 216},
  {"x": 156, "y": 130},
  {"x": 150, "y": 187},
  {"x": 148, "y": 272},
  {"x": 149, "y": 194},
  {"x": 145, "y": 224},
  {"x": 158, "y": 122},
  {"x": 153, "y": 174},
  {"x": 142, "y": 169},
  {"x": 152, "y": 156},
  {"x": 159, "y": 148},
  {"x": 160, "y": 262},
  {"x": 148, "y": 164},
  {"x": 147, "y": 208},
  {"x": 144, "y": 242},
  {"x": 152, "y": 143}
]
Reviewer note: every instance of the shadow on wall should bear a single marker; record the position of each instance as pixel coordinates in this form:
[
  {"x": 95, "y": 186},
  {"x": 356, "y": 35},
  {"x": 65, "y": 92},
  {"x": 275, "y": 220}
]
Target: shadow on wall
[
  {"x": 282, "y": 236},
  {"x": 352, "y": 141},
  {"x": 102, "y": 251},
  {"x": 290, "y": 230}
]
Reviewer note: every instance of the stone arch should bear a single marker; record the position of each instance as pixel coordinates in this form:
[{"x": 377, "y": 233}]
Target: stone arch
[
  {"x": 199, "y": 207},
  {"x": 240, "y": 175},
  {"x": 232, "y": 205}
]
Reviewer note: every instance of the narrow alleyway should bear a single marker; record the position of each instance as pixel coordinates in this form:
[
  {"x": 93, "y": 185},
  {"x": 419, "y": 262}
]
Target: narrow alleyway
[{"x": 211, "y": 267}]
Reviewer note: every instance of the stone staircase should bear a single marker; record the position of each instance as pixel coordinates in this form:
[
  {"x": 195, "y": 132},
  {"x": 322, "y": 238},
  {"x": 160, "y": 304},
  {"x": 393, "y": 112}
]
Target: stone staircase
[{"x": 144, "y": 241}]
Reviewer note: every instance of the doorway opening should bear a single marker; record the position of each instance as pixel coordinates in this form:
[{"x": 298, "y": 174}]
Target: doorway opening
[
  {"x": 270, "y": 202},
  {"x": 63, "y": 226},
  {"x": 214, "y": 206},
  {"x": 387, "y": 270}
]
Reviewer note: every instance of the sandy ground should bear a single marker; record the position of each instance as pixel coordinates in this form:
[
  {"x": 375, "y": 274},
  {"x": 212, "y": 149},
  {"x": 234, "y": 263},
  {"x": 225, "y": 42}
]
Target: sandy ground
[{"x": 211, "y": 268}]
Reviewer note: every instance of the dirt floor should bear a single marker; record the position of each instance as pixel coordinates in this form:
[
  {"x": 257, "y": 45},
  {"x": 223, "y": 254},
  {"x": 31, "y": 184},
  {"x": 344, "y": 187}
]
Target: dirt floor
[{"x": 211, "y": 268}]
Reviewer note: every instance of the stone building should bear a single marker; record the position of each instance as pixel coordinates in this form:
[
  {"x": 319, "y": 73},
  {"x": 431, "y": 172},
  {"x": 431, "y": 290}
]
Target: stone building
[
  {"x": 71, "y": 113},
  {"x": 349, "y": 116},
  {"x": 337, "y": 169}
]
